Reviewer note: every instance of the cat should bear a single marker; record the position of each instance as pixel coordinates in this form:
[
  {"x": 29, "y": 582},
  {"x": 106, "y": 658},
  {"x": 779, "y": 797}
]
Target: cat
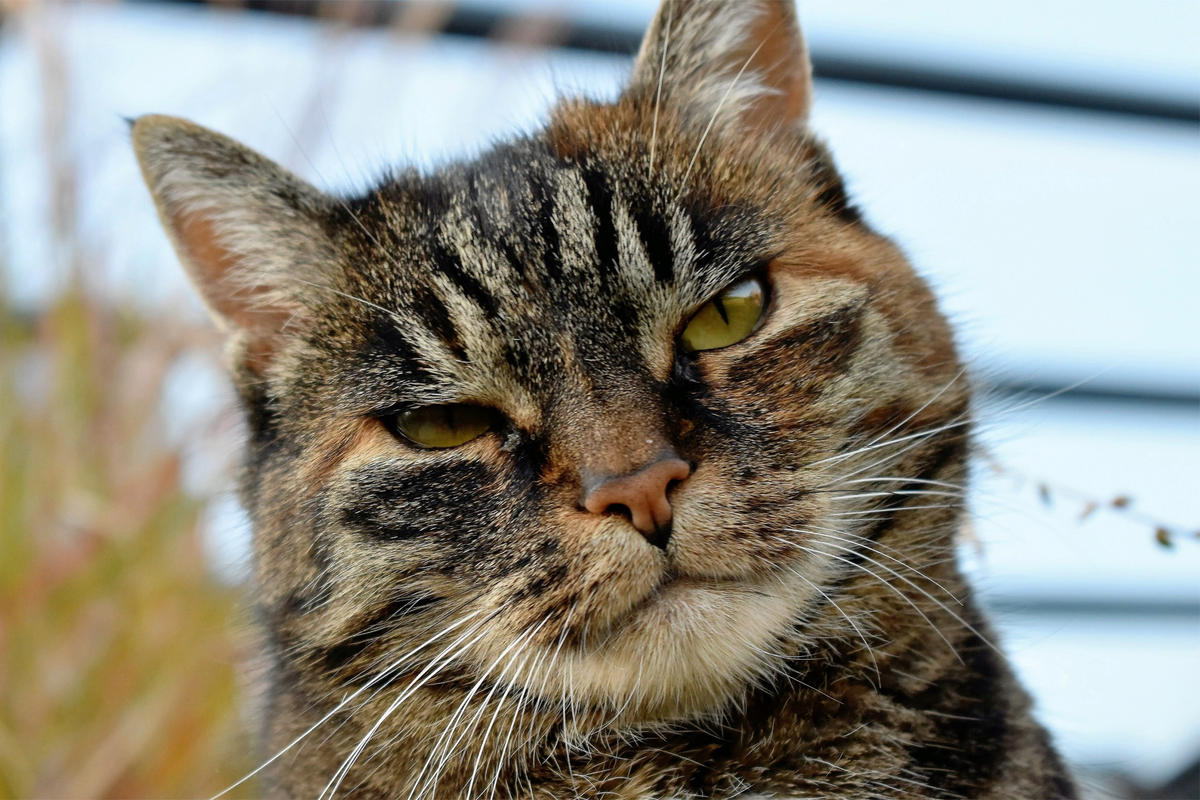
[{"x": 623, "y": 461}]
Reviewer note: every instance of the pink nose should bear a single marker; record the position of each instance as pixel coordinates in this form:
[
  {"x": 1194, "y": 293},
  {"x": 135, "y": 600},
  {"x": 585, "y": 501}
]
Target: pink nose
[{"x": 641, "y": 495}]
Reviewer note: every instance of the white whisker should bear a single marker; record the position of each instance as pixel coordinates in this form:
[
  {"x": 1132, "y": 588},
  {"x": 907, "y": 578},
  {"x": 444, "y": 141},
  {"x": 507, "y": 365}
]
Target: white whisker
[
  {"x": 853, "y": 624},
  {"x": 927, "y": 595},
  {"x": 920, "y": 438},
  {"x": 434, "y": 775},
  {"x": 720, "y": 105},
  {"x": 861, "y": 543},
  {"x": 502, "y": 754},
  {"x": 888, "y": 584},
  {"x": 344, "y": 702},
  {"x": 900, "y": 425},
  {"x": 433, "y": 668},
  {"x": 896, "y": 479},
  {"x": 395, "y": 317},
  {"x": 879, "y": 513},
  {"x": 662, "y": 69}
]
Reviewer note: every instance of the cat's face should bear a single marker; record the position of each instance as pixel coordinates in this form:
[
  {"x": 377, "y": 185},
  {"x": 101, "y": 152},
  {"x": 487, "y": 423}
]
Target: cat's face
[{"x": 545, "y": 295}]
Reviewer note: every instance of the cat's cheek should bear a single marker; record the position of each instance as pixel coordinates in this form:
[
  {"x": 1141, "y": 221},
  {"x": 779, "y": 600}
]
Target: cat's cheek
[
  {"x": 728, "y": 529},
  {"x": 707, "y": 534},
  {"x": 445, "y": 514}
]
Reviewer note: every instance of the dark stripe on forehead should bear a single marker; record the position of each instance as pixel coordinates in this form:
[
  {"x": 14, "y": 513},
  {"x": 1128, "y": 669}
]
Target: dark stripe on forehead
[
  {"x": 519, "y": 265},
  {"x": 518, "y": 358},
  {"x": 437, "y": 318},
  {"x": 600, "y": 200},
  {"x": 392, "y": 351},
  {"x": 543, "y": 224},
  {"x": 730, "y": 241},
  {"x": 701, "y": 235},
  {"x": 656, "y": 239},
  {"x": 448, "y": 263}
]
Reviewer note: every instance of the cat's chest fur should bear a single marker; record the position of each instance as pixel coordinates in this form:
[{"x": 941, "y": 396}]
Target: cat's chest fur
[{"x": 624, "y": 461}]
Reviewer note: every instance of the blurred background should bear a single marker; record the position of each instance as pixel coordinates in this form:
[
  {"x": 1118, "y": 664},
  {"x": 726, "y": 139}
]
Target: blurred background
[{"x": 1038, "y": 159}]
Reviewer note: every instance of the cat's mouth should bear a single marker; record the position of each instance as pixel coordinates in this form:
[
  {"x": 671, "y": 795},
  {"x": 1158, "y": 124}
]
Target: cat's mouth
[
  {"x": 675, "y": 583},
  {"x": 682, "y": 599},
  {"x": 682, "y": 648}
]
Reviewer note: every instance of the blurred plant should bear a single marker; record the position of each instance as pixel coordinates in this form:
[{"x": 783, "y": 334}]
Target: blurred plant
[
  {"x": 119, "y": 651},
  {"x": 122, "y": 658},
  {"x": 1166, "y": 534}
]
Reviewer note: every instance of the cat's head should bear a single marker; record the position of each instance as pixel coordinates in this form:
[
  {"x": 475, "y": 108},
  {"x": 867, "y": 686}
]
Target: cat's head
[{"x": 599, "y": 417}]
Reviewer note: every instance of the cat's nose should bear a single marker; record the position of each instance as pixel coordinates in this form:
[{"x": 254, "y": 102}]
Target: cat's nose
[{"x": 640, "y": 495}]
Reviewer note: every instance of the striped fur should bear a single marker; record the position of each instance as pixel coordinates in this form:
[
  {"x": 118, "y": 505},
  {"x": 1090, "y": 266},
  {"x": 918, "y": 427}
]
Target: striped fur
[{"x": 452, "y": 623}]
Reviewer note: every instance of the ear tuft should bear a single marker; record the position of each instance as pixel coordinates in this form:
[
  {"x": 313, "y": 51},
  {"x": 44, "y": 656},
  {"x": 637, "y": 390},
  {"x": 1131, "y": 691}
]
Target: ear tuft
[
  {"x": 740, "y": 64},
  {"x": 246, "y": 230}
]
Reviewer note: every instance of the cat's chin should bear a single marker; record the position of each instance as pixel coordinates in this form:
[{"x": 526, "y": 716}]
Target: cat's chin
[{"x": 690, "y": 648}]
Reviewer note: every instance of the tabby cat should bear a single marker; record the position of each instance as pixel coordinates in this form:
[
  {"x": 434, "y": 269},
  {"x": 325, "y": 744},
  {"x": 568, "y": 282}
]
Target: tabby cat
[{"x": 624, "y": 461}]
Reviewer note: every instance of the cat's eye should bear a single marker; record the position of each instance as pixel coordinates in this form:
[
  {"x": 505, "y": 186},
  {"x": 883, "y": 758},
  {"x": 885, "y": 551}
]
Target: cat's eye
[
  {"x": 439, "y": 427},
  {"x": 728, "y": 318}
]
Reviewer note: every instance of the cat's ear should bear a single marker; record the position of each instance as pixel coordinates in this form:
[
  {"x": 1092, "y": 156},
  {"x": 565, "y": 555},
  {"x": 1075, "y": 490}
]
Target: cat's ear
[
  {"x": 247, "y": 231},
  {"x": 735, "y": 63}
]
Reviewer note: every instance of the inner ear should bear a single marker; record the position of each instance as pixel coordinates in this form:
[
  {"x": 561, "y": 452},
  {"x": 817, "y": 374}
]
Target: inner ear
[
  {"x": 781, "y": 58},
  {"x": 253, "y": 308},
  {"x": 727, "y": 61},
  {"x": 248, "y": 232}
]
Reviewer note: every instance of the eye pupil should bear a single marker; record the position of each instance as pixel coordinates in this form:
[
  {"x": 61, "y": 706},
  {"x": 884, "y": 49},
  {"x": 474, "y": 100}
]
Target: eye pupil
[
  {"x": 719, "y": 304},
  {"x": 728, "y": 318},
  {"x": 440, "y": 427}
]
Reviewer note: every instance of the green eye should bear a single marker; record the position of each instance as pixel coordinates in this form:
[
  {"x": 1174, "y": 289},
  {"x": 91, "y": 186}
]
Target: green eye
[
  {"x": 438, "y": 427},
  {"x": 728, "y": 318}
]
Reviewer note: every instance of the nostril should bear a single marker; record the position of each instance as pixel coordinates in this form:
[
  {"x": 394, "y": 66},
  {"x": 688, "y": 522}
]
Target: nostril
[
  {"x": 640, "y": 497},
  {"x": 620, "y": 509},
  {"x": 660, "y": 536}
]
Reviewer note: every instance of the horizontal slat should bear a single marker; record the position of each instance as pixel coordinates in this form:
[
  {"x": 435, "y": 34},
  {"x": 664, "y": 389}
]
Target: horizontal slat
[{"x": 581, "y": 30}]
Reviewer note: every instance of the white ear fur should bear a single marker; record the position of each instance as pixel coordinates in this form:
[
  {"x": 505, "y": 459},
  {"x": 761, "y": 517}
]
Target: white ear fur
[
  {"x": 244, "y": 228},
  {"x": 738, "y": 63}
]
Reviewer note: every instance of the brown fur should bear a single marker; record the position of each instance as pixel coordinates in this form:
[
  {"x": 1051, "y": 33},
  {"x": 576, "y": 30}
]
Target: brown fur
[{"x": 453, "y": 623}]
